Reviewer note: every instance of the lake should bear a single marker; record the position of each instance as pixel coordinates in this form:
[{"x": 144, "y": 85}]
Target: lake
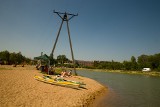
[{"x": 126, "y": 90}]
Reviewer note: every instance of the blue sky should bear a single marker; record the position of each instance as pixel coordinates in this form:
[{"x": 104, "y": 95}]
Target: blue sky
[{"x": 103, "y": 30}]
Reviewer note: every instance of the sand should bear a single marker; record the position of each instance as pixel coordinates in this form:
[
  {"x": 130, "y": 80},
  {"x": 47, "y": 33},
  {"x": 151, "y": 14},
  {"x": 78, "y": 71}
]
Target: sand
[{"x": 18, "y": 88}]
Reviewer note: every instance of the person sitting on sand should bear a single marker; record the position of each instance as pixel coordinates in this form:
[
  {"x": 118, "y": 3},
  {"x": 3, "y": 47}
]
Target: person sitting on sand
[
  {"x": 63, "y": 73},
  {"x": 38, "y": 66},
  {"x": 66, "y": 74},
  {"x": 70, "y": 73},
  {"x": 15, "y": 64},
  {"x": 46, "y": 68},
  {"x": 51, "y": 70}
]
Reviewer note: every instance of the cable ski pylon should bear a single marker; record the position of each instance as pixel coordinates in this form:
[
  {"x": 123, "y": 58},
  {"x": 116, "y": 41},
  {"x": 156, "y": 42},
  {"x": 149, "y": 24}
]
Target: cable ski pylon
[{"x": 65, "y": 17}]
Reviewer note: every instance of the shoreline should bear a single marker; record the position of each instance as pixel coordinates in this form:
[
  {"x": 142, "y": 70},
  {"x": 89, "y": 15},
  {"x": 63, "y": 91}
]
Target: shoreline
[
  {"x": 99, "y": 99},
  {"x": 19, "y": 88},
  {"x": 149, "y": 73}
]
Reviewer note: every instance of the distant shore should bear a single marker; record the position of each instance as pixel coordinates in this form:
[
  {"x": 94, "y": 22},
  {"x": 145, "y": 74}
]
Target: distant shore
[
  {"x": 147, "y": 73},
  {"x": 19, "y": 88}
]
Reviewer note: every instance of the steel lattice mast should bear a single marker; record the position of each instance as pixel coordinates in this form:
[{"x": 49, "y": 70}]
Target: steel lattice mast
[{"x": 65, "y": 17}]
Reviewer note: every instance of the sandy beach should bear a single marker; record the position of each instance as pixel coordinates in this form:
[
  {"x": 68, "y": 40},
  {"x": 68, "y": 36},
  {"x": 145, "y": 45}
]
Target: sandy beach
[{"x": 18, "y": 88}]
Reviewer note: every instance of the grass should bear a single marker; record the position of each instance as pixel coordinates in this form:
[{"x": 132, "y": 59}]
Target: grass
[
  {"x": 149, "y": 73},
  {"x": 2, "y": 68}
]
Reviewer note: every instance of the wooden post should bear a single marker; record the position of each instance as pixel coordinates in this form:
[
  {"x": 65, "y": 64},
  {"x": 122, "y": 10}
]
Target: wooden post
[
  {"x": 51, "y": 55},
  {"x": 71, "y": 48}
]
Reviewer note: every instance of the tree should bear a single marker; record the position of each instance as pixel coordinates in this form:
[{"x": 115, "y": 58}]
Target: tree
[
  {"x": 20, "y": 59},
  {"x": 133, "y": 63},
  {"x": 117, "y": 65},
  {"x": 143, "y": 62},
  {"x": 127, "y": 65},
  {"x": 62, "y": 59},
  {"x": 13, "y": 58},
  {"x": 96, "y": 63},
  {"x": 4, "y": 55},
  {"x": 52, "y": 61},
  {"x": 155, "y": 61},
  {"x": 133, "y": 59},
  {"x": 158, "y": 69}
]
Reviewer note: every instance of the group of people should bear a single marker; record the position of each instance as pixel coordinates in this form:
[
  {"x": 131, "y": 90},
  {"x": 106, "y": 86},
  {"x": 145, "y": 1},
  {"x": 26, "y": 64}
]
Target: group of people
[{"x": 51, "y": 69}]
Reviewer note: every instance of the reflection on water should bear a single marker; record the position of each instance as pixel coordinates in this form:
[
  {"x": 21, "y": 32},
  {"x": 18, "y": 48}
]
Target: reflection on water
[{"x": 127, "y": 90}]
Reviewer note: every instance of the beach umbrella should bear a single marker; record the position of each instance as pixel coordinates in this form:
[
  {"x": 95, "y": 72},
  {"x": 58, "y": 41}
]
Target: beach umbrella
[{"x": 43, "y": 57}]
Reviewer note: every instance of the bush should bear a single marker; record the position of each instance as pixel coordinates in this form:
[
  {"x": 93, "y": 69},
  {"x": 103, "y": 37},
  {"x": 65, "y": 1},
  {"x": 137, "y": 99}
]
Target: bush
[{"x": 57, "y": 71}]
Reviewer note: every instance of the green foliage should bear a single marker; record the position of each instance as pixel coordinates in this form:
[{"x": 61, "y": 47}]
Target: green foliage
[
  {"x": 127, "y": 65},
  {"x": 108, "y": 65},
  {"x": 58, "y": 71},
  {"x": 150, "y": 61},
  {"x": 143, "y": 61},
  {"x": 4, "y": 56},
  {"x": 5, "y": 68},
  {"x": 13, "y": 58},
  {"x": 52, "y": 61},
  {"x": 61, "y": 59},
  {"x": 158, "y": 69}
]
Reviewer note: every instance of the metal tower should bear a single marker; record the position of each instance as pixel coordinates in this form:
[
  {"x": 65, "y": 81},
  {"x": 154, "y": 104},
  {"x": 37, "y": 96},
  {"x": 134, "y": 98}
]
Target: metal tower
[{"x": 65, "y": 17}]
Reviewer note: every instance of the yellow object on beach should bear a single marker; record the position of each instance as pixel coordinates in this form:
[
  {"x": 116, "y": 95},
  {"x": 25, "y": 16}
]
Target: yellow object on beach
[{"x": 54, "y": 82}]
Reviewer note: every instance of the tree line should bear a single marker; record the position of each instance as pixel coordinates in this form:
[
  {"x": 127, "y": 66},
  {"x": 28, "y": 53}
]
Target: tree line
[
  {"x": 61, "y": 60},
  {"x": 143, "y": 61},
  {"x": 8, "y": 58}
]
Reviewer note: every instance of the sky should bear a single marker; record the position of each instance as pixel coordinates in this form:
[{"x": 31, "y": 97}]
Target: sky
[{"x": 104, "y": 30}]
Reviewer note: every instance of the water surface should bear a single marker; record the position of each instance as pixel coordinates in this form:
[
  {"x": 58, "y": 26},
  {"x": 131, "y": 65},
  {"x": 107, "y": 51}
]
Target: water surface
[{"x": 127, "y": 90}]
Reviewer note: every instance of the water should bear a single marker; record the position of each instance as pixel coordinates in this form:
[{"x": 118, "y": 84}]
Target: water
[{"x": 127, "y": 90}]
